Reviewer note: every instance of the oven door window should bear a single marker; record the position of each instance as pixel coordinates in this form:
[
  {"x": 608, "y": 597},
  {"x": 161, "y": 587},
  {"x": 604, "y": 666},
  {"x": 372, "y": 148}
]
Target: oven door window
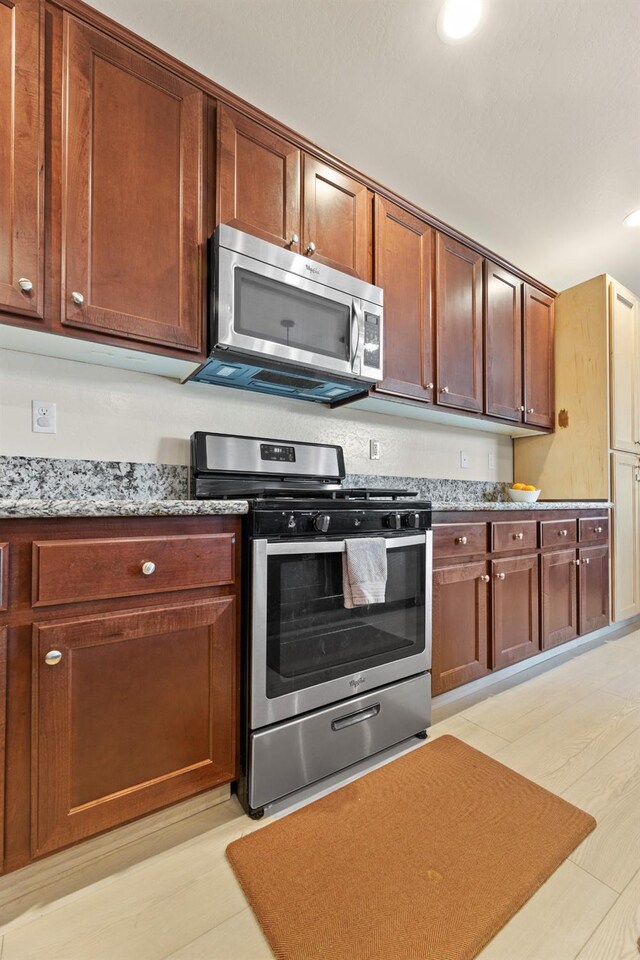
[
  {"x": 312, "y": 638},
  {"x": 276, "y": 312}
]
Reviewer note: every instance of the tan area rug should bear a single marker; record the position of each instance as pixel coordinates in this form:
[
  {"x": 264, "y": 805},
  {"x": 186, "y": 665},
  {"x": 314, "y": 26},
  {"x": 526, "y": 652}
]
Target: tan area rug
[{"x": 425, "y": 858}]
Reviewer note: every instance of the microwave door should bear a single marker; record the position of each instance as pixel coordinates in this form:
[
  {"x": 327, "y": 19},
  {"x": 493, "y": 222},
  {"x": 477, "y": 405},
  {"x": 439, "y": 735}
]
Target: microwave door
[{"x": 262, "y": 309}]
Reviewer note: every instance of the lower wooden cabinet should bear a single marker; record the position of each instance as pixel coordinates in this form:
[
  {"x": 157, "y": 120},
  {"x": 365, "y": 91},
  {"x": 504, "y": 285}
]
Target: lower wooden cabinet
[
  {"x": 132, "y": 710},
  {"x": 515, "y": 630},
  {"x": 593, "y": 588},
  {"x": 559, "y": 597},
  {"x": 3, "y": 718},
  {"x": 460, "y": 625}
]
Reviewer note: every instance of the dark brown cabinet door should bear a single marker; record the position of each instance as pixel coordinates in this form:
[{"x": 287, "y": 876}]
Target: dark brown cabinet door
[
  {"x": 21, "y": 156},
  {"x": 559, "y": 598},
  {"x": 502, "y": 343},
  {"x": 460, "y": 621},
  {"x": 404, "y": 269},
  {"x": 515, "y": 633},
  {"x": 539, "y": 388},
  {"x": 594, "y": 588},
  {"x": 133, "y": 208},
  {"x": 259, "y": 180},
  {"x": 140, "y": 711},
  {"x": 3, "y": 712},
  {"x": 458, "y": 325},
  {"x": 336, "y": 220}
]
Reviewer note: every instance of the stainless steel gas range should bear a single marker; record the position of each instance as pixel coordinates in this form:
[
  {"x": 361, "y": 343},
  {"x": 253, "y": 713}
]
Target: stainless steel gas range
[{"x": 323, "y": 686}]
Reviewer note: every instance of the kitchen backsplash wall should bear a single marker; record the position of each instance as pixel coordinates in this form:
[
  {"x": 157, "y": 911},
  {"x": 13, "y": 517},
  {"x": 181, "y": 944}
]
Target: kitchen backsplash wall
[{"x": 109, "y": 414}]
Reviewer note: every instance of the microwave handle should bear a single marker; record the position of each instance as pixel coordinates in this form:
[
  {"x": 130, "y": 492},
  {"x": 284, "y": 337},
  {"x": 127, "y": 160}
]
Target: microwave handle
[{"x": 356, "y": 325}]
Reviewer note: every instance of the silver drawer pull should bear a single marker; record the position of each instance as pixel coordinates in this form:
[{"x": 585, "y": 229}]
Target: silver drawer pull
[
  {"x": 53, "y": 657},
  {"x": 358, "y": 717},
  {"x": 485, "y": 578},
  {"x": 148, "y": 568},
  {"x": 597, "y": 529},
  {"x": 563, "y": 533},
  {"x": 500, "y": 576},
  {"x": 518, "y": 536},
  {"x": 461, "y": 540}
]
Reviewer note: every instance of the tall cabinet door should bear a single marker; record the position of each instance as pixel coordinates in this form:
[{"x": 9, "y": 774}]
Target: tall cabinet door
[
  {"x": 502, "y": 343},
  {"x": 258, "y": 180},
  {"x": 404, "y": 269},
  {"x": 625, "y": 474},
  {"x": 539, "y": 358},
  {"x": 133, "y": 206},
  {"x": 21, "y": 156},
  {"x": 458, "y": 325},
  {"x": 625, "y": 369},
  {"x": 460, "y": 625},
  {"x": 336, "y": 219},
  {"x": 132, "y": 711}
]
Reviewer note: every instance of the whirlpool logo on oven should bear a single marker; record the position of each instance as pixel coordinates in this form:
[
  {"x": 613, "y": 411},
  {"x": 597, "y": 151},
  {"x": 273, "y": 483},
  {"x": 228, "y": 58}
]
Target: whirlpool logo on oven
[{"x": 356, "y": 683}]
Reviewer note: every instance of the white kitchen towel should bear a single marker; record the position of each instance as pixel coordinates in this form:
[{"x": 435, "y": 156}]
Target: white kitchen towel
[{"x": 364, "y": 571}]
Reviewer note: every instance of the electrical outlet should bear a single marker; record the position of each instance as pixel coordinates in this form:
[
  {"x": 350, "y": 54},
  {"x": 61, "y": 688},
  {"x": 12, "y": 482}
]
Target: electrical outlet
[
  {"x": 374, "y": 449},
  {"x": 43, "y": 416},
  {"x": 464, "y": 460},
  {"x": 492, "y": 461}
]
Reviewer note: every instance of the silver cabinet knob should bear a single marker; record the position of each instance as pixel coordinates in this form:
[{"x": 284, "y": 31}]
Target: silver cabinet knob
[
  {"x": 500, "y": 576},
  {"x": 576, "y": 562},
  {"x": 25, "y": 285},
  {"x": 530, "y": 410},
  {"x": 563, "y": 533},
  {"x": 445, "y": 390},
  {"x": 294, "y": 239},
  {"x": 77, "y": 297},
  {"x": 597, "y": 529},
  {"x": 521, "y": 408},
  {"x": 429, "y": 386},
  {"x": 311, "y": 249},
  {"x": 518, "y": 536},
  {"x": 586, "y": 560},
  {"x": 53, "y": 657},
  {"x": 461, "y": 540},
  {"x": 485, "y": 578},
  {"x": 148, "y": 567}
]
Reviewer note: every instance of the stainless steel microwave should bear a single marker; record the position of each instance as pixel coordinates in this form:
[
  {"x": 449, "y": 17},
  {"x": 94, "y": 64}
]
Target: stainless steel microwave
[{"x": 280, "y": 323}]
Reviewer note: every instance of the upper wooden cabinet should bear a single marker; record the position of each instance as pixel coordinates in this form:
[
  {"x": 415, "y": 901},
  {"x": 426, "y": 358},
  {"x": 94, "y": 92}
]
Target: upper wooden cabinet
[
  {"x": 132, "y": 195},
  {"x": 625, "y": 369},
  {"x": 21, "y": 157},
  {"x": 258, "y": 180},
  {"x": 503, "y": 343},
  {"x": 404, "y": 249},
  {"x": 539, "y": 358},
  {"x": 271, "y": 189},
  {"x": 458, "y": 325}
]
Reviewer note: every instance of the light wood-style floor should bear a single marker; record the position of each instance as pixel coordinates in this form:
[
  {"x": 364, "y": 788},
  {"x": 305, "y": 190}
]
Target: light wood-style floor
[{"x": 574, "y": 729}]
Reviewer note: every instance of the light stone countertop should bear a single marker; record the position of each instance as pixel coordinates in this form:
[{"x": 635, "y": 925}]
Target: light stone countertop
[
  {"x": 120, "y": 508},
  {"x": 440, "y": 506}
]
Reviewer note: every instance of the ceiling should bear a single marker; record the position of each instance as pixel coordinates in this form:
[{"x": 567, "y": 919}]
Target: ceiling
[{"x": 526, "y": 137}]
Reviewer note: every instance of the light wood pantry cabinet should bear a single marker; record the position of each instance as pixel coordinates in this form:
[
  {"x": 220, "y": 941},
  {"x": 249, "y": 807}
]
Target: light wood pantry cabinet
[
  {"x": 595, "y": 449},
  {"x": 273, "y": 190},
  {"x": 22, "y": 157},
  {"x": 505, "y": 589},
  {"x": 132, "y": 195},
  {"x": 122, "y": 639}
]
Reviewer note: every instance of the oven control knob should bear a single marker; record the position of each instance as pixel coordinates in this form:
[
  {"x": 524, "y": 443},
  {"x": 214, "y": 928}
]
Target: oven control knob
[
  {"x": 412, "y": 520},
  {"x": 321, "y": 522},
  {"x": 394, "y": 521}
]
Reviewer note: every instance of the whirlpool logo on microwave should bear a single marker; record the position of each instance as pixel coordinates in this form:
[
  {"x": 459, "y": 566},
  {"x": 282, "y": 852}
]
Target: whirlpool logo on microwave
[
  {"x": 356, "y": 683},
  {"x": 311, "y": 269}
]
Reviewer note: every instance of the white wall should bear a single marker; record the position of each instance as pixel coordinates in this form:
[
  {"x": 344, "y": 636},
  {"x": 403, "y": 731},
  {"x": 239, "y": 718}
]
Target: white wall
[{"x": 111, "y": 414}]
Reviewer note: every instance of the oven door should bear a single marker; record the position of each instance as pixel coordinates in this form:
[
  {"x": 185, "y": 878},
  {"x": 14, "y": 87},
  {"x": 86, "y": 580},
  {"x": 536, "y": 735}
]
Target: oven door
[
  {"x": 263, "y": 310},
  {"x": 307, "y": 650}
]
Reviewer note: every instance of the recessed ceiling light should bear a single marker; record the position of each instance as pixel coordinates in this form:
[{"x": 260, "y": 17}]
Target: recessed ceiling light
[
  {"x": 458, "y": 18},
  {"x": 633, "y": 220}
]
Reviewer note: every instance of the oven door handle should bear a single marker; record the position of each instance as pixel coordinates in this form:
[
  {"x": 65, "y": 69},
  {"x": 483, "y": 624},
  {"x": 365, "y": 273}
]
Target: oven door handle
[
  {"x": 279, "y": 547},
  {"x": 367, "y": 714}
]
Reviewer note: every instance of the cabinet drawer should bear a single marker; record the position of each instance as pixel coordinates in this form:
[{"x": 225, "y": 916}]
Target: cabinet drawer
[
  {"x": 594, "y": 528},
  {"x": 459, "y": 539},
  {"x": 513, "y": 535},
  {"x": 557, "y": 533},
  {"x": 71, "y": 571}
]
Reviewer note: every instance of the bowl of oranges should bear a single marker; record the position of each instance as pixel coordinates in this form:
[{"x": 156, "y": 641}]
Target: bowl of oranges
[{"x": 524, "y": 493}]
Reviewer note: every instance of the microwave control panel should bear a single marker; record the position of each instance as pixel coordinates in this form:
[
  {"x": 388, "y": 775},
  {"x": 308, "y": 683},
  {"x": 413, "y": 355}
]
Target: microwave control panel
[{"x": 371, "y": 340}]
